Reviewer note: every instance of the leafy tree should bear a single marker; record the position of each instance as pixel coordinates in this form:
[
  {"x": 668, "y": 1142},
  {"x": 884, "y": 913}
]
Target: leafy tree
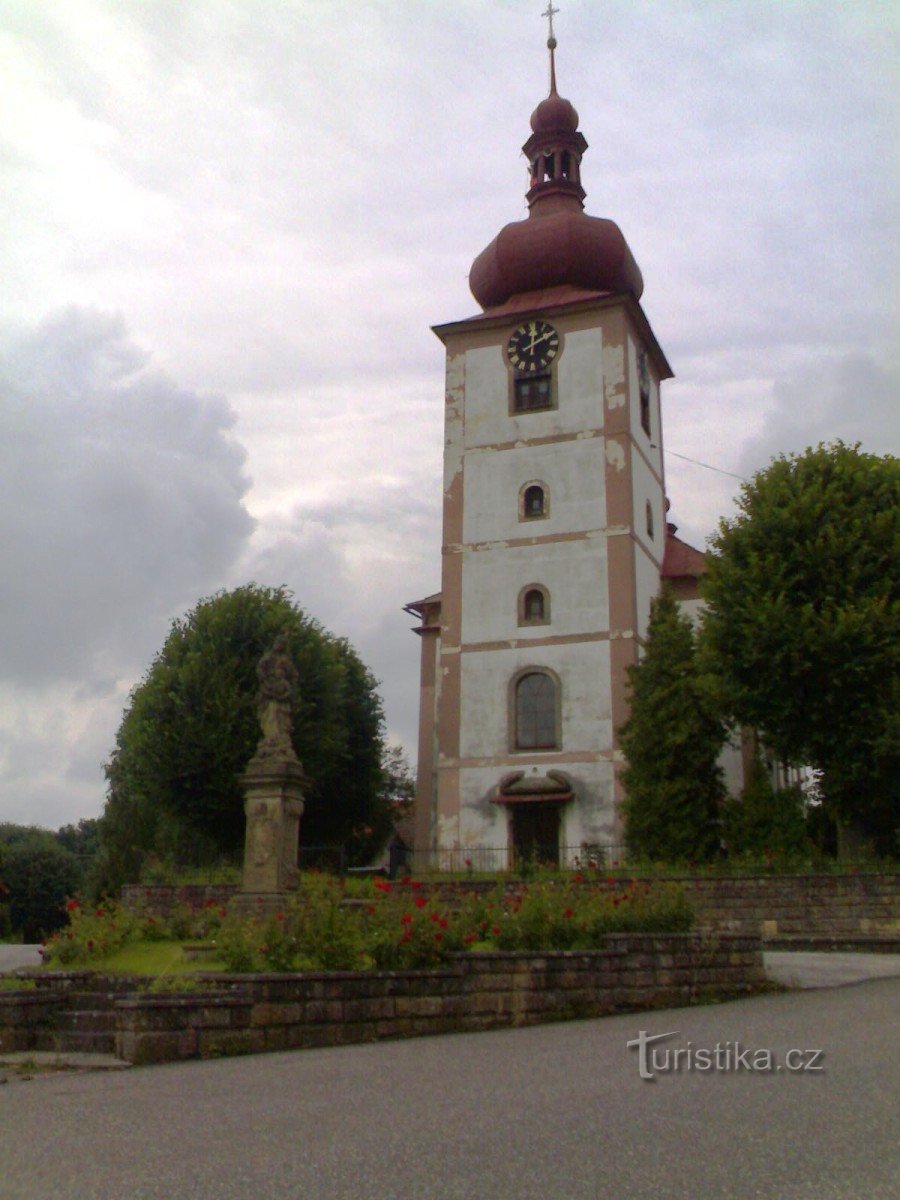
[
  {"x": 803, "y": 624},
  {"x": 398, "y": 782},
  {"x": 191, "y": 728},
  {"x": 765, "y": 820},
  {"x": 38, "y": 875},
  {"x": 82, "y": 839},
  {"x": 671, "y": 741}
]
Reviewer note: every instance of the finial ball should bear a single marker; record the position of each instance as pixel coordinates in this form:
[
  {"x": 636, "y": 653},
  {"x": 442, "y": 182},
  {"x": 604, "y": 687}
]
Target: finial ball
[{"x": 551, "y": 43}]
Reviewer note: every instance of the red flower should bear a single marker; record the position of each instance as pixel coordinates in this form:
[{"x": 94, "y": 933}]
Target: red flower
[
  {"x": 434, "y": 917},
  {"x": 438, "y": 937},
  {"x": 420, "y": 902},
  {"x": 223, "y": 913},
  {"x": 99, "y": 913},
  {"x": 210, "y": 904},
  {"x": 90, "y": 944},
  {"x": 568, "y": 913},
  {"x": 407, "y": 937},
  {"x": 443, "y": 923},
  {"x": 415, "y": 883},
  {"x": 496, "y": 931},
  {"x": 578, "y": 878},
  {"x": 470, "y": 938},
  {"x": 382, "y": 885},
  {"x": 279, "y": 916},
  {"x": 71, "y": 905},
  {"x": 467, "y": 862},
  {"x": 406, "y": 919},
  {"x": 370, "y": 909}
]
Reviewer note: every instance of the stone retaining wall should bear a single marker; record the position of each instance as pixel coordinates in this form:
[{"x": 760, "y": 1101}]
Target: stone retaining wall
[{"x": 251, "y": 1013}]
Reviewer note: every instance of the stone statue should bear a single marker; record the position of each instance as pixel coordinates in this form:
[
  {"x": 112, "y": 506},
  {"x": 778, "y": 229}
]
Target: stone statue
[
  {"x": 273, "y": 785},
  {"x": 277, "y": 683}
]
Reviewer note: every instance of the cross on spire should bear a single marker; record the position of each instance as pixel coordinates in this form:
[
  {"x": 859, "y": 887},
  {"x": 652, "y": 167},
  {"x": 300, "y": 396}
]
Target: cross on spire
[{"x": 550, "y": 13}]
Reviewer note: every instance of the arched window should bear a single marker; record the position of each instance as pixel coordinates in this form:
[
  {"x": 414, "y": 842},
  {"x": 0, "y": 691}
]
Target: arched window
[
  {"x": 536, "y": 712},
  {"x": 534, "y": 605},
  {"x": 649, "y": 519},
  {"x": 534, "y": 501}
]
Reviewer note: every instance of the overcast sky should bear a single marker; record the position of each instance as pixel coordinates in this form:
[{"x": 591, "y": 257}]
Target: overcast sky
[{"x": 227, "y": 226}]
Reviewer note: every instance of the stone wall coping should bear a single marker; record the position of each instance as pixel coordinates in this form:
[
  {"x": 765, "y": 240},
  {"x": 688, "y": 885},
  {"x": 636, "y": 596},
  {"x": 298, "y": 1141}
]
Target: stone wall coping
[
  {"x": 188, "y": 1000},
  {"x": 26, "y": 996}
]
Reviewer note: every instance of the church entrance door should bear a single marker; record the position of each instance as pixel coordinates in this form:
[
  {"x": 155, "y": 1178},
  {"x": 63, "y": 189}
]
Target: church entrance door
[{"x": 535, "y": 833}]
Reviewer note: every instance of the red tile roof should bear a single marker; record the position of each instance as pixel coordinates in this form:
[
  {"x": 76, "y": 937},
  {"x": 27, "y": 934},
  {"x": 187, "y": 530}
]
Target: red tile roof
[{"x": 680, "y": 560}]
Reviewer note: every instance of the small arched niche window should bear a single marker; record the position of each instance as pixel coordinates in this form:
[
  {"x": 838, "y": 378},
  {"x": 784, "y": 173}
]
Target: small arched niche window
[
  {"x": 536, "y": 711},
  {"x": 533, "y": 502},
  {"x": 534, "y": 605},
  {"x": 649, "y": 511}
]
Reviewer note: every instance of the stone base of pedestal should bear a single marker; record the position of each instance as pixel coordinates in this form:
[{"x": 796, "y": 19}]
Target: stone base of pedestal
[
  {"x": 273, "y": 790},
  {"x": 258, "y": 904}
]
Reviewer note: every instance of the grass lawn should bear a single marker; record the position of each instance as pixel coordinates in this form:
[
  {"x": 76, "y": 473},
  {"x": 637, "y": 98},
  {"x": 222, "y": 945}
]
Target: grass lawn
[{"x": 151, "y": 958}]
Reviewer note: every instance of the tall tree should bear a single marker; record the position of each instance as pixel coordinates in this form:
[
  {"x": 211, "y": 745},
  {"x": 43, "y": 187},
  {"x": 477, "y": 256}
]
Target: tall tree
[
  {"x": 803, "y": 623},
  {"x": 191, "y": 728},
  {"x": 672, "y": 742}
]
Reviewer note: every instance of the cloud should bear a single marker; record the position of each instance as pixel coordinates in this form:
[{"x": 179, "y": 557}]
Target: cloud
[
  {"x": 120, "y": 494},
  {"x": 852, "y": 398},
  {"x": 121, "y": 501}
]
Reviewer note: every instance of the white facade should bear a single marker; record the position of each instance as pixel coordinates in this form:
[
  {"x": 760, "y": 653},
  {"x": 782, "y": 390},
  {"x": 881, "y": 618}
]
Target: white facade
[{"x": 595, "y": 552}]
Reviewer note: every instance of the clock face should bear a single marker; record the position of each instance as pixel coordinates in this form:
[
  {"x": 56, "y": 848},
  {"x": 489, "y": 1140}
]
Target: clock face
[{"x": 533, "y": 346}]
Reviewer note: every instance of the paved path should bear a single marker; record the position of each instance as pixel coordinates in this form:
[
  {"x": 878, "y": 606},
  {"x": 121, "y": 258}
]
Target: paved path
[
  {"x": 817, "y": 969},
  {"x": 555, "y": 1112},
  {"x": 14, "y": 957}
]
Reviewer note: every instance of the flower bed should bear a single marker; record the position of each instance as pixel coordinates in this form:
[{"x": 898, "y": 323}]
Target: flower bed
[{"x": 395, "y": 928}]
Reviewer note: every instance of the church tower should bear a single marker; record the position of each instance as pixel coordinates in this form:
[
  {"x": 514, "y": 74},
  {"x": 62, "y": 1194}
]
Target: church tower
[{"x": 554, "y": 529}]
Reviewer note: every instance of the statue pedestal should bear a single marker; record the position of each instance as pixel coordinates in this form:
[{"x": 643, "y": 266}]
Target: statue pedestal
[{"x": 273, "y": 790}]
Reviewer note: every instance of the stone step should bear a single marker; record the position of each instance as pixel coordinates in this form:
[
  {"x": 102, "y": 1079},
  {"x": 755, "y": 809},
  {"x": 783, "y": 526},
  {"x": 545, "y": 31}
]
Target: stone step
[
  {"x": 35, "y": 1061},
  {"x": 71, "y": 1041}
]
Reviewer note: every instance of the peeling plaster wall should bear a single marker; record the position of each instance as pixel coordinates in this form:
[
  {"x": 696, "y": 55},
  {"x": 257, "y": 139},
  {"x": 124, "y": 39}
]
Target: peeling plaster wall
[
  {"x": 651, "y": 447},
  {"x": 589, "y": 819},
  {"x": 574, "y": 573},
  {"x": 647, "y": 487},
  {"x": 586, "y": 701},
  {"x": 572, "y": 472},
  {"x": 646, "y": 577},
  {"x": 579, "y": 379}
]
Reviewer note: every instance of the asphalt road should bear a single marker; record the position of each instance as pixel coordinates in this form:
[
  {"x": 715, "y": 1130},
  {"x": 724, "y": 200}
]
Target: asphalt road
[{"x": 557, "y": 1112}]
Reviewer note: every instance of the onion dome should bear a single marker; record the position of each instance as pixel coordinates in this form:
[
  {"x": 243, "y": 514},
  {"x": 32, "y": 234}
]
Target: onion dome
[
  {"x": 558, "y": 244},
  {"x": 554, "y": 114}
]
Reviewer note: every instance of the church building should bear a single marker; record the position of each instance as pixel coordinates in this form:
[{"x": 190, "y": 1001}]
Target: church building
[{"x": 555, "y": 536}]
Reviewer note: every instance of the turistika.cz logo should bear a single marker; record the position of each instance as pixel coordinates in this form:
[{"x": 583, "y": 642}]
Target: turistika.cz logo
[{"x": 655, "y": 1059}]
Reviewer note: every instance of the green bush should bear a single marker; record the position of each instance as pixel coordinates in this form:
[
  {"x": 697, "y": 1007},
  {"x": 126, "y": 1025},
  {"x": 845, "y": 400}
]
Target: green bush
[{"x": 765, "y": 822}]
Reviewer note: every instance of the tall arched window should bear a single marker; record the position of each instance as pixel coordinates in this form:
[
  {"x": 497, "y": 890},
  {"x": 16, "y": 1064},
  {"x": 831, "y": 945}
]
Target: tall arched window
[
  {"x": 534, "y": 605},
  {"x": 536, "y": 712},
  {"x": 649, "y": 511}
]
